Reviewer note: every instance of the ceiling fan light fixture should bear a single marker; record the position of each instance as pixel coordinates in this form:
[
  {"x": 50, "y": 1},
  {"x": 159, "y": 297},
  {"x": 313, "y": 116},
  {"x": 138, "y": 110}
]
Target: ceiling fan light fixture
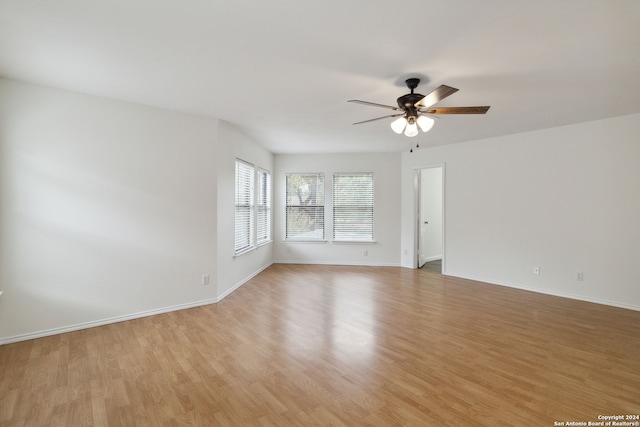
[
  {"x": 414, "y": 110},
  {"x": 425, "y": 123},
  {"x": 398, "y": 125},
  {"x": 411, "y": 130}
]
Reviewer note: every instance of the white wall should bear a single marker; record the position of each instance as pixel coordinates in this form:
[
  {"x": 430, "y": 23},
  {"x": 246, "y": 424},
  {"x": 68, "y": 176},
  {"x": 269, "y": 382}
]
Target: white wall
[
  {"x": 565, "y": 199},
  {"x": 386, "y": 170},
  {"x": 111, "y": 210},
  {"x": 234, "y": 271}
]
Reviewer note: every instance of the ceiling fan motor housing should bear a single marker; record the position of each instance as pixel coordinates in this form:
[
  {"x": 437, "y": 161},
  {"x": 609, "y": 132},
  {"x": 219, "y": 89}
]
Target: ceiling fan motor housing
[{"x": 409, "y": 100}]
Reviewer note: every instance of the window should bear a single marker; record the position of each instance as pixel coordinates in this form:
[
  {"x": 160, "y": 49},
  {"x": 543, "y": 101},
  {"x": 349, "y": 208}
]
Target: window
[
  {"x": 253, "y": 207},
  {"x": 244, "y": 206},
  {"x": 305, "y": 206},
  {"x": 263, "y": 219},
  {"x": 353, "y": 207}
]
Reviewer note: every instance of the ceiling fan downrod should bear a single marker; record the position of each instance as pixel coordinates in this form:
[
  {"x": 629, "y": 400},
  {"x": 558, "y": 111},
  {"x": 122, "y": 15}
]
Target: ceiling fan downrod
[{"x": 412, "y": 83}]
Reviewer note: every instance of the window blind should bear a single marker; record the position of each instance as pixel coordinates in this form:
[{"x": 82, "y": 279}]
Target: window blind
[
  {"x": 244, "y": 206},
  {"x": 353, "y": 207},
  {"x": 263, "y": 220},
  {"x": 305, "y": 206}
]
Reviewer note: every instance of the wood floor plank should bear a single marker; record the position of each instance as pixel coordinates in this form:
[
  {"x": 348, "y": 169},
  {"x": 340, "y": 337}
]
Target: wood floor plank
[{"x": 304, "y": 345}]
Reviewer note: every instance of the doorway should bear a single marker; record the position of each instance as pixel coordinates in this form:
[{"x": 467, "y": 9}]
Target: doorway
[{"x": 430, "y": 216}]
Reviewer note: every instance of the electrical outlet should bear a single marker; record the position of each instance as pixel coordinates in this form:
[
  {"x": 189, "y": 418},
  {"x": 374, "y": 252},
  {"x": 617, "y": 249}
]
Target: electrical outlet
[
  {"x": 365, "y": 253},
  {"x": 536, "y": 270},
  {"x": 579, "y": 276},
  {"x": 205, "y": 279}
]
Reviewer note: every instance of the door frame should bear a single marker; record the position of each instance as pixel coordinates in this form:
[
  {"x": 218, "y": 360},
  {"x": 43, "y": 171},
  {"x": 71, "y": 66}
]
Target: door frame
[{"x": 416, "y": 212}]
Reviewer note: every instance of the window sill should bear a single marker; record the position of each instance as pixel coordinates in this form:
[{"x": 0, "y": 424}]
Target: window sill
[
  {"x": 243, "y": 252},
  {"x": 356, "y": 242},
  {"x": 251, "y": 249},
  {"x": 303, "y": 241}
]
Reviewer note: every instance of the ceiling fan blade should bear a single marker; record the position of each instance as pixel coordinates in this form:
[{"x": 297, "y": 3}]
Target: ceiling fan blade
[
  {"x": 457, "y": 110},
  {"x": 379, "y": 118},
  {"x": 373, "y": 104},
  {"x": 436, "y": 96}
]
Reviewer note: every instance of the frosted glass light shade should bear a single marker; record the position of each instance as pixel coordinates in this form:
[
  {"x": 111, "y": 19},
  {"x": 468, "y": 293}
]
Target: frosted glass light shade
[
  {"x": 411, "y": 130},
  {"x": 398, "y": 125},
  {"x": 425, "y": 123}
]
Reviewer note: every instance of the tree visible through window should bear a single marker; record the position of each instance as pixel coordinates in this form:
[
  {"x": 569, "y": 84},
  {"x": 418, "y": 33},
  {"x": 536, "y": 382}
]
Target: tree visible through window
[
  {"x": 353, "y": 207},
  {"x": 305, "y": 207}
]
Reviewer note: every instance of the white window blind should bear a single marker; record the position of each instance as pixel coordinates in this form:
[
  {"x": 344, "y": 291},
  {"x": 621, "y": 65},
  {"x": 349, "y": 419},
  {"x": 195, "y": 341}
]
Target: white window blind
[
  {"x": 305, "y": 206},
  {"x": 353, "y": 207},
  {"x": 244, "y": 206},
  {"x": 263, "y": 220}
]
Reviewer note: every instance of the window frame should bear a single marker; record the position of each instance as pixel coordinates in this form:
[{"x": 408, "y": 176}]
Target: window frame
[
  {"x": 250, "y": 194},
  {"x": 264, "y": 204},
  {"x": 348, "y": 210},
  {"x": 319, "y": 207}
]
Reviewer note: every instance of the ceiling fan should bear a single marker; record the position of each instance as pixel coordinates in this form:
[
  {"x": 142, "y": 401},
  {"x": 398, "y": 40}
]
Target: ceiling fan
[{"x": 414, "y": 109}]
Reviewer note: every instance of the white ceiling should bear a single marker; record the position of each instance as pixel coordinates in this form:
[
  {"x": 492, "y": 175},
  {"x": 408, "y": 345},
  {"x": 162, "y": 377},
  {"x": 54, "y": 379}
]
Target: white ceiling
[{"x": 284, "y": 69}]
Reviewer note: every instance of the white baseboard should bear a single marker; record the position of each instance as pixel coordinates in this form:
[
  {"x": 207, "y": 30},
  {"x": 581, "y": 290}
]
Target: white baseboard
[
  {"x": 545, "y": 292},
  {"x": 242, "y": 282},
  {"x": 352, "y": 264},
  {"x": 117, "y": 319},
  {"x": 123, "y": 318},
  {"x": 102, "y": 322}
]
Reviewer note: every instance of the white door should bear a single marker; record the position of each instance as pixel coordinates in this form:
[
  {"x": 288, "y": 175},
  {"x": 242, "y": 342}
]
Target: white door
[{"x": 430, "y": 215}]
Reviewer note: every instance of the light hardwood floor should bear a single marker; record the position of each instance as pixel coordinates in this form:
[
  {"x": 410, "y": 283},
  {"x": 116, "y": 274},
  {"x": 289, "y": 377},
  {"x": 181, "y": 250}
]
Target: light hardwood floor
[{"x": 303, "y": 345}]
